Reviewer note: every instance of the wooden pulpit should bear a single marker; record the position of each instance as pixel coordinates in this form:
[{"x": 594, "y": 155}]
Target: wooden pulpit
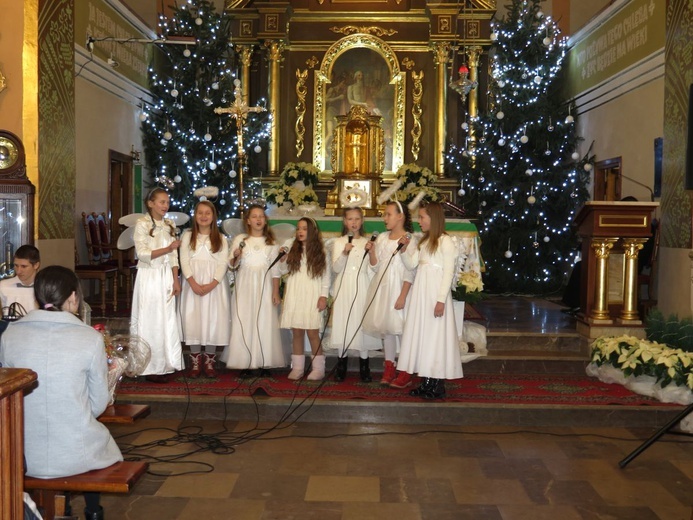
[{"x": 612, "y": 234}]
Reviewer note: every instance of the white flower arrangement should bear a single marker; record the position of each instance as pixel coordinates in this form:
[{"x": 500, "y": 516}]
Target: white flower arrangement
[
  {"x": 295, "y": 185},
  {"x": 415, "y": 179},
  {"x": 353, "y": 198},
  {"x": 635, "y": 357}
]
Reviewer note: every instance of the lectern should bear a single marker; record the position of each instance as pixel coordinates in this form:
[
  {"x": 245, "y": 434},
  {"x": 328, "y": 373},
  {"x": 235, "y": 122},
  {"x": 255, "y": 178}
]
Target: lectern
[{"x": 612, "y": 234}]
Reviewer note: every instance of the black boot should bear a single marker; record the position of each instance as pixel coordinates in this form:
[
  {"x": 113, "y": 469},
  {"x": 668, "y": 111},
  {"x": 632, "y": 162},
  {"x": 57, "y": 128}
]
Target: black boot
[
  {"x": 365, "y": 370},
  {"x": 422, "y": 388},
  {"x": 436, "y": 390},
  {"x": 98, "y": 515},
  {"x": 340, "y": 373}
]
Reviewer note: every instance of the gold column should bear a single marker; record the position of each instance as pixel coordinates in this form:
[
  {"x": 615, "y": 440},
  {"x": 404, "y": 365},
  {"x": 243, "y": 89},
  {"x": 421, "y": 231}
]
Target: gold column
[
  {"x": 274, "y": 50},
  {"x": 600, "y": 309},
  {"x": 246, "y": 54},
  {"x": 629, "y": 313},
  {"x": 473, "y": 54},
  {"x": 441, "y": 57},
  {"x": 30, "y": 115}
]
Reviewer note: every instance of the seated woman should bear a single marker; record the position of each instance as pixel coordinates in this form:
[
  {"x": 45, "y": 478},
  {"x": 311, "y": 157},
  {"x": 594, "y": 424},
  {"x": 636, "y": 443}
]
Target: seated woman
[{"x": 61, "y": 434}]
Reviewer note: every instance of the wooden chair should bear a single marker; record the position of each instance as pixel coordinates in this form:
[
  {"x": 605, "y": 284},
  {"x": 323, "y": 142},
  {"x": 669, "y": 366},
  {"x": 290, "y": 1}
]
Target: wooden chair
[
  {"x": 111, "y": 255},
  {"x": 95, "y": 269},
  {"x": 49, "y": 494}
]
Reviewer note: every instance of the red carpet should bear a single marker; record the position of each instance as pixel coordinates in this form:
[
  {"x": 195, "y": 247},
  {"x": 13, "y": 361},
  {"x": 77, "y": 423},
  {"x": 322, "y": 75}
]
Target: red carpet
[{"x": 531, "y": 389}]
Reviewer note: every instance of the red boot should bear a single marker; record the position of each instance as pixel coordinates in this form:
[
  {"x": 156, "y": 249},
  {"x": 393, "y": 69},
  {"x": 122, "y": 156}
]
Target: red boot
[
  {"x": 195, "y": 367},
  {"x": 403, "y": 380},
  {"x": 208, "y": 367},
  {"x": 389, "y": 373}
]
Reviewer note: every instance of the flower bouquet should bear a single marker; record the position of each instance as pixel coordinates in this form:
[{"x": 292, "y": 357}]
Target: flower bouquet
[
  {"x": 469, "y": 287},
  {"x": 415, "y": 179},
  {"x": 295, "y": 185},
  {"x": 126, "y": 355}
]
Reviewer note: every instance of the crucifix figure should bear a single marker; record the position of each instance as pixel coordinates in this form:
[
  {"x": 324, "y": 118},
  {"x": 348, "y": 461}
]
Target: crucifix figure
[{"x": 239, "y": 111}]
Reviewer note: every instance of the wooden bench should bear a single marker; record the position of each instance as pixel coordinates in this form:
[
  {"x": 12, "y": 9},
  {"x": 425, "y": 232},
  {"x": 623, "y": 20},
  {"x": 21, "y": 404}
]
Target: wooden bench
[
  {"x": 49, "y": 494},
  {"x": 124, "y": 413}
]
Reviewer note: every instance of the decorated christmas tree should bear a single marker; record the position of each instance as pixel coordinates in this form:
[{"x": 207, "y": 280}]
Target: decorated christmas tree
[
  {"x": 191, "y": 150},
  {"x": 523, "y": 175}
]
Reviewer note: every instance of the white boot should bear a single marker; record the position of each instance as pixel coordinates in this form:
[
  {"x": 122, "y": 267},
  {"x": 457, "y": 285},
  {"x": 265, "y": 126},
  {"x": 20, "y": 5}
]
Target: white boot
[
  {"x": 317, "y": 372},
  {"x": 298, "y": 365}
]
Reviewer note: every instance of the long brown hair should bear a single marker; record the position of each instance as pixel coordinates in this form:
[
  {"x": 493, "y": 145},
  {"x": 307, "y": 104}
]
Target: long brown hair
[
  {"x": 150, "y": 198},
  {"x": 214, "y": 235},
  {"x": 315, "y": 251},
  {"x": 437, "y": 229},
  {"x": 266, "y": 231}
]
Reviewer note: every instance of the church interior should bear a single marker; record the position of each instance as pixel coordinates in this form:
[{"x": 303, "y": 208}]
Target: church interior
[{"x": 362, "y": 94}]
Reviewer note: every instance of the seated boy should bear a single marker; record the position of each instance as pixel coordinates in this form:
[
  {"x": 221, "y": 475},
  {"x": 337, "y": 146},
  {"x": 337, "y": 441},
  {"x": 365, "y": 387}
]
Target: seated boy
[{"x": 20, "y": 288}]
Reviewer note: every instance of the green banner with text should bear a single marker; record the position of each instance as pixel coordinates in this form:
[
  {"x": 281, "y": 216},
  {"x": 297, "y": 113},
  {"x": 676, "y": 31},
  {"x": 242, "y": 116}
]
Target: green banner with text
[{"x": 631, "y": 34}]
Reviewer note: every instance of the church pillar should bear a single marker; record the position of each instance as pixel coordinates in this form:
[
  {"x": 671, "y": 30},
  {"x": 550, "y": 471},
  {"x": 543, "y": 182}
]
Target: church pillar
[
  {"x": 246, "y": 53},
  {"x": 275, "y": 48},
  {"x": 473, "y": 54},
  {"x": 441, "y": 57},
  {"x": 629, "y": 313}
]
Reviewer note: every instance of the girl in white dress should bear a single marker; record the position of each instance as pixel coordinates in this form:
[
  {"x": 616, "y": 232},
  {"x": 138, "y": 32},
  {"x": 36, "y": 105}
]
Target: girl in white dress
[
  {"x": 305, "y": 297},
  {"x": 204, "y": 302},
  {"x": 154, "y": 317},
  {"x": 255, "y": 339},
  {"x": 429, "y": 340},
  {"x": 350, "y": 291},
  {"x": 388, "y": 290}
]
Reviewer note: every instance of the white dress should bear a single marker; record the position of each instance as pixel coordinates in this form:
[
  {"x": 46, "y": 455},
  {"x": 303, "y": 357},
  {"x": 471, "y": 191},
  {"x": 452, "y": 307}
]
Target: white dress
[
  {"x": 350, "y": 293},
  {"x": 429, "y": 344},
  {"x": 301, "y": 295},
  {"x": 385, "y": 287},
  {"x": 154, "y": 317},
  {"x": 205, "y": 319},
  {"x": 255, "y": 338}
]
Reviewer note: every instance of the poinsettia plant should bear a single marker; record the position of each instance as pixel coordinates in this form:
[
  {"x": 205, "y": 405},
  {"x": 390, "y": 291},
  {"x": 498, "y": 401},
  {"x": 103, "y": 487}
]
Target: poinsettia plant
[
  {"x": 469, "y": 287},
  {"x": 637, "y": 357},
  {"x": 295, "y": 185}
]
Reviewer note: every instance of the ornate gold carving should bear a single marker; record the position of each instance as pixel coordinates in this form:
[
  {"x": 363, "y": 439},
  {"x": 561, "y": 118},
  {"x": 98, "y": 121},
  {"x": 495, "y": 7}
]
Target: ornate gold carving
[
  {"x": 397, "y": 78},
  {"x": 484, "y": 4},
  {"x": 275, "y": 48},
  {"x": 234, "y": 4},
  {"x": 472, "y": 29},
  {"x": 441, "y": 52},
  {"x": 353, "y": 29},
  {"x": 3, "y": 83},
  {"x": 416, "y": 111},
  {"x": 312, "y": 62},
  {"x": 408, "y": 63},
  {"x": 246, "y": 54},
  {"x": 301, "y": 91}
]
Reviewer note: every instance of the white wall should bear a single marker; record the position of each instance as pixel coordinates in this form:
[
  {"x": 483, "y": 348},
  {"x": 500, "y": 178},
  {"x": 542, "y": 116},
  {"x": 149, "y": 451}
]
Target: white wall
[{"x": 626, "y": 126}]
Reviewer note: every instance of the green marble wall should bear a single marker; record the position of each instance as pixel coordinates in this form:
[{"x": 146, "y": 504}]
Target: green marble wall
[
  {"x": 675, "y": 201},
  {"x": 56, "y": 102}
]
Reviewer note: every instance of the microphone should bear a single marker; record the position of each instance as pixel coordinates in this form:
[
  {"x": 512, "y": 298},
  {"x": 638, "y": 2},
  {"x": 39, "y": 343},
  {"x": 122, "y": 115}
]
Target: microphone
[
  {"x": 401, "y": 244},
  {"x": 351, "y": 236},
  {"x": 373, "y": 237},
  {"x": 282, "y": 252}
]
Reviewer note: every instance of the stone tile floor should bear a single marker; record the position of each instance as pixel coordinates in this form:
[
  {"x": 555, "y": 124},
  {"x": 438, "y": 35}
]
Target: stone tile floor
[{"x": 361, "y": 472}]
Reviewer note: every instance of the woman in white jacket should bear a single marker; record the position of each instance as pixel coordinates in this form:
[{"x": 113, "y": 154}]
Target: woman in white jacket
[{"x": 62, "y": 436}]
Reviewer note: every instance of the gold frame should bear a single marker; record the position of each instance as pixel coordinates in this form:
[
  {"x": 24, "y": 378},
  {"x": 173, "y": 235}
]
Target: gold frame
[{"x": 322, "y": 80}]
